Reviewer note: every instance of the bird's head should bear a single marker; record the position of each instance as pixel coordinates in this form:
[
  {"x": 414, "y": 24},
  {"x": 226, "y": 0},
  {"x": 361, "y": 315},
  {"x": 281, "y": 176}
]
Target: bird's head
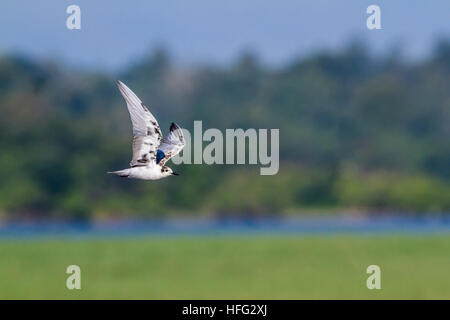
[{"x": 166, "y": 171}]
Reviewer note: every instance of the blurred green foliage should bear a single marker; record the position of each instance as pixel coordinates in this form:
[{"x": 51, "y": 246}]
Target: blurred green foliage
[
  {"x": 221, "y": 267},
  {"x": 355, "y": 132}
]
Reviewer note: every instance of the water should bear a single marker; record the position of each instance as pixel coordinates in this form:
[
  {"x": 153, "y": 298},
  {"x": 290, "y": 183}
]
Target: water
[{"x": 210, "y": 227}]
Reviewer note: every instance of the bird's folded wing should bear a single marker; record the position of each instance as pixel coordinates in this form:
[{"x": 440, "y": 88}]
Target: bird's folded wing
[
  {"x": 146, "y": 132},
  {"x": 172, "y": 144}
]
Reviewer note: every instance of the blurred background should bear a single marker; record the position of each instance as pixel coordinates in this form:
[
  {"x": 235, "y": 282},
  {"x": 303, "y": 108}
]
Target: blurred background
[{"x": 364, "y": 119}]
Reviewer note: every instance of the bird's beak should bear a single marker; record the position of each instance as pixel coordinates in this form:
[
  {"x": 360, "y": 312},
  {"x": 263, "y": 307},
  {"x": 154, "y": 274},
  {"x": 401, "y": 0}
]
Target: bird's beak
[{"x": 175, "y": 174}]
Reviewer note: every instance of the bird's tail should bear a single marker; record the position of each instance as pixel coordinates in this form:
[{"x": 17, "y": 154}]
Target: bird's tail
[{"x": 125, "y": 173}]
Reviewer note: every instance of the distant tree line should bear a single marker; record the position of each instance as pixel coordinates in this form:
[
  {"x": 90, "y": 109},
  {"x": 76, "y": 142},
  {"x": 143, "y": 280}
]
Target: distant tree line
[{"x": 357, "y": 132}]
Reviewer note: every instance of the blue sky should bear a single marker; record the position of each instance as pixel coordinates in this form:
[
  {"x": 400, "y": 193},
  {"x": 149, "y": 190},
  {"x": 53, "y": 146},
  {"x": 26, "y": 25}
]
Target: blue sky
[{"x": 116, "y": 33}]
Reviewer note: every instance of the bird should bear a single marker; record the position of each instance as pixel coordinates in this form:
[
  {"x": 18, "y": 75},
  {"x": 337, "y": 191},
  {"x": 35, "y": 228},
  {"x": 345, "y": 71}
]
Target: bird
[{"x": 150, "y": 150}]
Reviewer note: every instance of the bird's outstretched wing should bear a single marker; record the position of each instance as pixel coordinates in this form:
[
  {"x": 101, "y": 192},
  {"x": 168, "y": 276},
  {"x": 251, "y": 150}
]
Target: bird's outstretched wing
[
  {"x": 146, "y": 132},
  {"x": 172, "y": 144}
]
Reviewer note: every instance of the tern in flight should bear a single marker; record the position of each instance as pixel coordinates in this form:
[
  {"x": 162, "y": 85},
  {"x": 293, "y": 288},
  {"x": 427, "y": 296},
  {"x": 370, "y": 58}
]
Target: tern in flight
[{"x": 150, "y": 150}]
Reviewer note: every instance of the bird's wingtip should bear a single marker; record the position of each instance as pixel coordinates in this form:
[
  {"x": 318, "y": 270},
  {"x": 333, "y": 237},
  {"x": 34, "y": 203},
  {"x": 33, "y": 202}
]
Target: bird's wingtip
[{"x": 174, "y": 126}]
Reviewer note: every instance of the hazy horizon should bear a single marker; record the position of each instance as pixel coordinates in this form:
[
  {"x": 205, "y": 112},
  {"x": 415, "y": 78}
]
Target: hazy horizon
[{"x": 112, "y": 35}]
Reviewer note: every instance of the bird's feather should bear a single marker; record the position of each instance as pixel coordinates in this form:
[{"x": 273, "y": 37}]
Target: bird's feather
[
  {"x": 146, "y": 131},
  {"x": 172, "y": 144}
]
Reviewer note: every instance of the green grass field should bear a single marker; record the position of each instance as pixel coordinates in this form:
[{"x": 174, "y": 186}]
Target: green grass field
[{"x": 272, "y": 267}]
